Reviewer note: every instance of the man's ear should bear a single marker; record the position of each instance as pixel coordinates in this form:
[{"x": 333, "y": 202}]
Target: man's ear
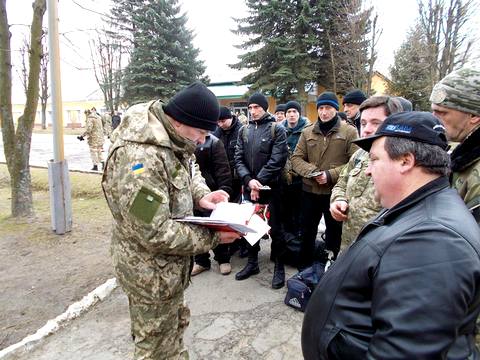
[
  {"x": 475, "y": 119},
  {"x": 407, "y": 162}
]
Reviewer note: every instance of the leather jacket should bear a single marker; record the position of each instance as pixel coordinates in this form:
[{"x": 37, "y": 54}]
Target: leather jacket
[
  {"x": 261, "y": 157},
  {"x": 407, "y": 288}
]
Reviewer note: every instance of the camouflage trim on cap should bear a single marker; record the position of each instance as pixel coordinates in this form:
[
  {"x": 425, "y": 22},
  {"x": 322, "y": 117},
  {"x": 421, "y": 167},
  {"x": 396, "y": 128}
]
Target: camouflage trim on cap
[{"x": 459, "y": 90}]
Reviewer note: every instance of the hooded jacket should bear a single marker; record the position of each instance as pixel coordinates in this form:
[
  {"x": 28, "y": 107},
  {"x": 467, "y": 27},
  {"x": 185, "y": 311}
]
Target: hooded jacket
[{"x": 150, "y": 179}]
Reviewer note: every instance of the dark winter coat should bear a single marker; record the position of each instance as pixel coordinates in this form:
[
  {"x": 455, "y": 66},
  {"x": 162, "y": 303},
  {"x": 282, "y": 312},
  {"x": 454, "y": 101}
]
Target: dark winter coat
[
  {"x": 213, "y": 163},
  {"x": 229, "y": 139},
  {"x": 261, "y": 157},
  {"x": 407, "y": 288}
]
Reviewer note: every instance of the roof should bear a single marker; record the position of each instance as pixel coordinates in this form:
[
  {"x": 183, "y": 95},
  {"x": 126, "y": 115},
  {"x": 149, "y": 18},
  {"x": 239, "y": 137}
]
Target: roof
[{"x": 228, "y": 90}]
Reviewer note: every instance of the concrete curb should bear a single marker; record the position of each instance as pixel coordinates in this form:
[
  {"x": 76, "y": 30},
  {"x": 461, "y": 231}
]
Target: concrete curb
[{"x": 53, "y": 325}]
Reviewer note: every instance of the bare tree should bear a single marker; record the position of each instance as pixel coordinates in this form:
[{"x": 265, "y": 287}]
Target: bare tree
[
  {"x": 17, "y": 141},
  {"x": 449, "y": 45},
  {"x": 106, "y": 54},
  {"x": 44, "y": 89},
  {"x": 376, "y": 33}
]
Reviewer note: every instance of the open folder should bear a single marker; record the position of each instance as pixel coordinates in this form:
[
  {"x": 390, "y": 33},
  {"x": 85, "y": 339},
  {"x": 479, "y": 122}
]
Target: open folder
[{"x": 233, "y": 217}]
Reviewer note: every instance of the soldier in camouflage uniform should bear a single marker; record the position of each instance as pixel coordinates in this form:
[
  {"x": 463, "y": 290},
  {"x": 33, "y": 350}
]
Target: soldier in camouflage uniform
[
  {"x": 456, "y": 102},
  {"x": 107, "y": 124},
  {"x": 353, "y": 197},
  {"x": 150, "y": 179},
  {"x": 95, "y": 139}
]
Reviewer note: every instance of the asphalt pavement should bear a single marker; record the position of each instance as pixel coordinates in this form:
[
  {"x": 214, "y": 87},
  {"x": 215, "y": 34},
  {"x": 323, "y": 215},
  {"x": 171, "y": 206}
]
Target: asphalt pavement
[{"x": 76, "y": 152}]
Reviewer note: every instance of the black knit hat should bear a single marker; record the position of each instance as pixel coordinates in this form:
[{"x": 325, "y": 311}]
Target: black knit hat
[
  {"x": 280, "y": 107},
  {"x": 327, "y": 98},
  {"x": 292, "y": 104},
  {"x": 195, "y": 106},
  {"x": 414, "y": 125},
  {"x": 225, "y": 113},
  {"x": 259, "y": 99},
  {"x": 354, "y": 97}
]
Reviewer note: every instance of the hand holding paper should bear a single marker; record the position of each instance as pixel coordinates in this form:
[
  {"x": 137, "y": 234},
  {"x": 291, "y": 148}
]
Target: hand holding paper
[{"x": 210, "y": 200}]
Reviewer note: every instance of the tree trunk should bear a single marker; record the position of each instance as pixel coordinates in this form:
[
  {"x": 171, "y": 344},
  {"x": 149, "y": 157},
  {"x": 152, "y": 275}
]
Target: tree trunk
[
  {"x": 17, "y": 142},
  {"x": 44, "y": 114}
]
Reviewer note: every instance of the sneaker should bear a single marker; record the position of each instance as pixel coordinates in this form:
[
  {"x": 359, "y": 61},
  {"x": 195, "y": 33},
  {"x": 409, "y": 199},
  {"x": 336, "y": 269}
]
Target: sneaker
[
  {"x": 197, "y": 269},
  {"x": 225, "y": 268}
]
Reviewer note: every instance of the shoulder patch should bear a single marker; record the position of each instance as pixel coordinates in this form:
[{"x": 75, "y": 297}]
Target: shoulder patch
[
  {"x": 138, "y": 168},
  {"x": 145, "y": 205}
]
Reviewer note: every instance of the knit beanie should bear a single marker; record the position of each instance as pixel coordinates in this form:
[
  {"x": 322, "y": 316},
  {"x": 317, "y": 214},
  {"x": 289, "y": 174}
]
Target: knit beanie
[
  {"x": 195, "y": 106},
  {"x": 459, "y": 90},
  {"x": 280, "y": 107},
  {"x": 354, "y": 97},
  {"x": 328, "y": 98},
  {"x": 292, "y": 104},
  {"x": 258, "y": 99},
  {"x": 225, "y": 113}
]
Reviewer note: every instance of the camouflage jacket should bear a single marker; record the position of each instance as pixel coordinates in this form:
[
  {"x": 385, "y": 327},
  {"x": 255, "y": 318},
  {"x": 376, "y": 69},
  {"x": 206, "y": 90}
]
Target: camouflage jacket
[
  {"x": 356, "y": 188},
  {"x": 150, "y": 179},
  {"x": 94, "y": 130},
  {"x": 107, "y": 124},
  {"x": 466, "y": 171}
]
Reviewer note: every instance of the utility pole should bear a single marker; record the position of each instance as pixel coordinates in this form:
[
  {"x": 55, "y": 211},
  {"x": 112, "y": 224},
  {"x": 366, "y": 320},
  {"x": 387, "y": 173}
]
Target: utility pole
[{"x": 58, "y": 177}]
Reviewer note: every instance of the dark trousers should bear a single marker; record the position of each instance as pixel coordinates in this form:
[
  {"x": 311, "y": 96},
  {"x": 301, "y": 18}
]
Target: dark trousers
[
  {"x": 221, "y": 252},
  {"x": 274, "y": 201},
  {"x": 292, "y": 207},
  {"x": 313, "y": 207}
]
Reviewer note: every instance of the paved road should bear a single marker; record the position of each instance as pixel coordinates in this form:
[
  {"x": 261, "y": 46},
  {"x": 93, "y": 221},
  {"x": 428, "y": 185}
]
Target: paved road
[
  {"x": 231, "y": 320},
  {"x": 76, "y": 152}
]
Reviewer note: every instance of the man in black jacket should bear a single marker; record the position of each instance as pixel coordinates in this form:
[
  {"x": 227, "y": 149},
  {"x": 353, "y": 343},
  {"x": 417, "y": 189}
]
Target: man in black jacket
[
  {"x": 213, "y": 163},
  {"x": 260, "y": 157},
  {"x": 409, "y": 286}
]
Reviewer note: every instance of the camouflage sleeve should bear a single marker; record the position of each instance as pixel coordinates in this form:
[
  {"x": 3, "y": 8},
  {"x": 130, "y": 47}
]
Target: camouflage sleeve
[
  {"x": 339, "y": 191},
  {"x": 144, "y": 200},
  {"x": 299, "y": 158},
  {"x": 88, "y": 127}
]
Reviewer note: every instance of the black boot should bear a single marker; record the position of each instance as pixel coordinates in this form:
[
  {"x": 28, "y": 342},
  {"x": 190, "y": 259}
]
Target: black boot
[
  {"x": 95, "y": 167},
  {"x": 250, "y": 269},
  {"x": 103, "y": 165},
  {"x": 278, "y": 280}
]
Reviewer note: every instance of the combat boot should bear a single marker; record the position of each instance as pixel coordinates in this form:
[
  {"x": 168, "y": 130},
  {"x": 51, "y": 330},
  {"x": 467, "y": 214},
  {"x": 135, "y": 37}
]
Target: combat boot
[
  {"x": 278, "y": 280},
  {"x": 250, "y": 269},
  {"x": 95, "y": 167}
]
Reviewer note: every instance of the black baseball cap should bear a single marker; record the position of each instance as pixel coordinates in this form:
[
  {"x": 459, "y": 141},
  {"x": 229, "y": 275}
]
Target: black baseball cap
[{"x": 414, "y": 125}]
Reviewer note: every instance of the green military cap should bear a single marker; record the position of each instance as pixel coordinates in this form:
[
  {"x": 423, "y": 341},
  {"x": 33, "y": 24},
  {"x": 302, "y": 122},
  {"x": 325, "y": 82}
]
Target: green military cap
[{"x": 459, "y": 90}]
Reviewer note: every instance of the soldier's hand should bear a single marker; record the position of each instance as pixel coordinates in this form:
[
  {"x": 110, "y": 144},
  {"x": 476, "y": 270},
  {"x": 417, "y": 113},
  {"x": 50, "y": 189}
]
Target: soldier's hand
[
  {"x": 339, "y": 210},
  {"x": 227, "y": 237},
  {"x": 210, "y": 200}
]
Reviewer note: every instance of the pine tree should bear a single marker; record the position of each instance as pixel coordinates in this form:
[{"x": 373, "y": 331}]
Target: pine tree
[
  {"x": 410, "y": 72},
  {"x": 295, "y": 43},
  {"x": 162, "y": 59},
  {"x": 279, "y": 48}
]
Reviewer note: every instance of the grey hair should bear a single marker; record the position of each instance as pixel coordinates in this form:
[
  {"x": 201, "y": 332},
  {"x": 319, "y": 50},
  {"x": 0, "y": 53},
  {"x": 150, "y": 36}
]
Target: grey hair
[{"x": 432, "y": 158}]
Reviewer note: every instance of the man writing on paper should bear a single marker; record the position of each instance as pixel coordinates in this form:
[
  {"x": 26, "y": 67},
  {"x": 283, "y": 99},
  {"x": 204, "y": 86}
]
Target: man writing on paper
[{"x": 150, "y": 179}]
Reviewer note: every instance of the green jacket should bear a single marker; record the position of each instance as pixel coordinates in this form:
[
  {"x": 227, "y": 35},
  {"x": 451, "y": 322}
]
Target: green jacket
[
  {"x": 356, "y": 188},
  {"x": 316, "y": 152},
  {"x": 150, "y": 179}
]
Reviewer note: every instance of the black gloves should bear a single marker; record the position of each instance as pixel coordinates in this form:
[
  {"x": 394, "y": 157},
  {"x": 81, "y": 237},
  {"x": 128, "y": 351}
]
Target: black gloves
[{"x": 80, "y": 137}]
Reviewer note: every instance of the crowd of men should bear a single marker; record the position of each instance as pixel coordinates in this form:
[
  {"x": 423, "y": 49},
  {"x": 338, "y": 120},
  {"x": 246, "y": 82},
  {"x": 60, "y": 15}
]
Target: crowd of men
[{"x": 401, "y": 214}]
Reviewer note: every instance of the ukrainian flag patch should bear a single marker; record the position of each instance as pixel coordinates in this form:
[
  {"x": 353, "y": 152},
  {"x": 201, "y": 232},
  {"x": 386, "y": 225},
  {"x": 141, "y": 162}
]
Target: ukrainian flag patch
[{"x": 138, "y": 168}]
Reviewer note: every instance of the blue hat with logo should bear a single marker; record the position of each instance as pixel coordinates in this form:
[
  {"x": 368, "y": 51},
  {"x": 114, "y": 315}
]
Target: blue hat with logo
[{"x": 414, "y": 125}]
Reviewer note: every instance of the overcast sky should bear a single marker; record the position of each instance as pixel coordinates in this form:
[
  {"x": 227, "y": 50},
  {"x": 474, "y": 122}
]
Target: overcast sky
[{"x": 211, "y": 21}]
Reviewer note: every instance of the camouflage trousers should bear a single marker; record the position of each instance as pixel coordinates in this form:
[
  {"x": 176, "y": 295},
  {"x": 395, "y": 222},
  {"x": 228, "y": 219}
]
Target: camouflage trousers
[
  {"x": 96, "y": 154},
  {"x": 157, "y": 329}
]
